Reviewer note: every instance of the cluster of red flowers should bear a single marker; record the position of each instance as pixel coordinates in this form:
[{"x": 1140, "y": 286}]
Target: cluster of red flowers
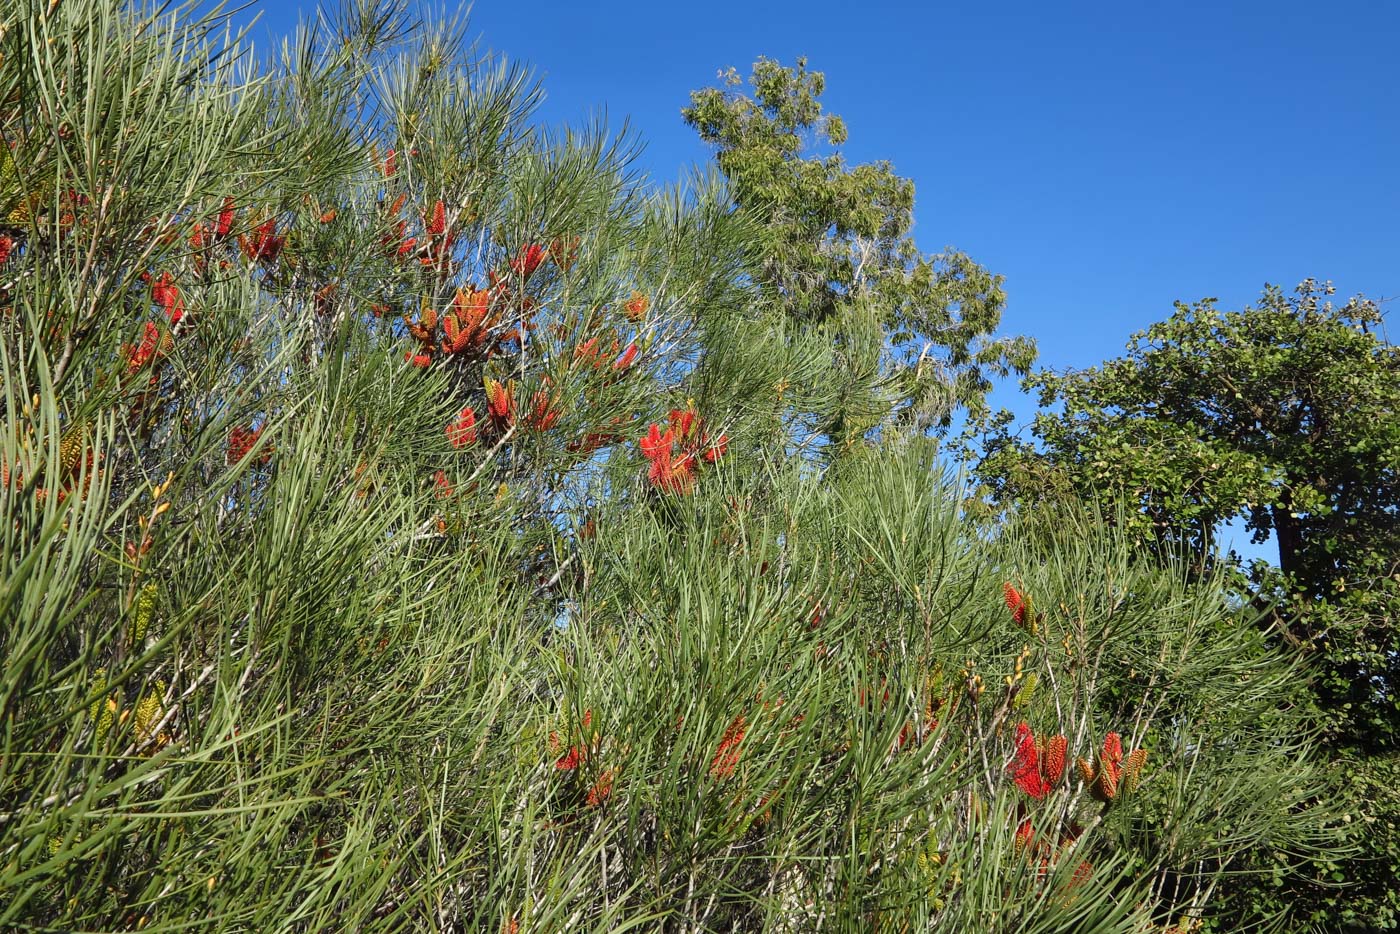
[
  {"x": 675, "y": 455},
  {"x": 1111, "y": 771},
  {"x": 591, "y": 354},
  {"x": 154, "y": 344},
  {"x": 241, "y": 441},
  {"x": 579, "y": 754},
  {"x": 461, "y": 431},
  {"x": 165, "y": 294},
  {"x": 1039, "y": 764},
  {"x": 7, "y": 245},
  {"x": 264, "y": 246},
  {"x": 726, "y": 757}
]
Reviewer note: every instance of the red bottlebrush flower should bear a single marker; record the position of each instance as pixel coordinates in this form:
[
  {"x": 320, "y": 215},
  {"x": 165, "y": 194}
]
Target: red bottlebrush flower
[
  {"x": 1025, "y": 767},
  {"x": 527, "y": 260},
  {"x": 7, "y": 244},
  {"x": 391, "y": 164},
  {"x": 462, "y": 431},
  {"x": 241, "y": 441},
  {"x": 436, "y": 223},
  {"x": 636, "y": 307},
  {"x": 563, "y": 251},
  {"x": 628, "y": 355},
  {"x": 601, "y": 789},
  {"x": 262, "y": 246},
  {"x": 716, "y": 450},
  {"x": 442, "y": 489},
  {"x": 673, "y": 476},
  {"x": 656, "y": 445},
  {"x": 1016, "y": 603},
  {"x": 224, "y": 223},
  {"x": 407, "y": 246},
  {"x": 328, "y": 215},
  {"x": 167, "y": 296},
  {"x": 137, "y": 356},
  {"x": 500, "y": 403},
  {"x": 199, "y": 239},
  {"x": 576, "y": 756},
  {"x": 726, "y": 757},
  {"x": 420, "y": 361}
]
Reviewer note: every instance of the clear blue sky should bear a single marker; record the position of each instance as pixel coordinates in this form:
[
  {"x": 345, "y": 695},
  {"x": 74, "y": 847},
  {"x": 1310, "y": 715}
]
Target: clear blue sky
[{"x": 1107, "y": 158}]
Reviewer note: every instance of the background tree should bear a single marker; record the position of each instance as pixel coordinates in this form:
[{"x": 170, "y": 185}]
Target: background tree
[
  {"x": 910, "y": 334},
  {"x": 1281, "y": 416}
]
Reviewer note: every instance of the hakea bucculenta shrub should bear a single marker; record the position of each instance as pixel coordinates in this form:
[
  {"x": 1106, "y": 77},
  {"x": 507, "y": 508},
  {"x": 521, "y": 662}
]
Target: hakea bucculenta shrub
[{"x": 366, "y": 461}]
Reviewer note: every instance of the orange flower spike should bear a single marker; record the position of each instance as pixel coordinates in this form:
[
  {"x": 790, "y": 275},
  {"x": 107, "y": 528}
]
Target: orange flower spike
[
  {"x": 420, "y": 361},
  {"x": 1132, "y": 769},
  {"x": 636, "y": 306},
  {"x": 1052, "y": 763},
  {"x": 391, "y": 164},
  {"x": 328, "y": 215},
  {"x": 398, "y": 206},
  {"x": 500, "y": 403}
]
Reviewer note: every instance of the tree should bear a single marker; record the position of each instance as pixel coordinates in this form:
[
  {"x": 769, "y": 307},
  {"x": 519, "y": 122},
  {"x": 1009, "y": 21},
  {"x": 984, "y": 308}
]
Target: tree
[
  {"x": 912, "y": 333},
  {"x": 1278, "y": 415},
  {"x": 1282, "y": 416}
]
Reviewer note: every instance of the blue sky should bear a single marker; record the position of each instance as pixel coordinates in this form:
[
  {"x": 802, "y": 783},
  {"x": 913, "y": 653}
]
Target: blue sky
[{"x": 1107, "y": 159}]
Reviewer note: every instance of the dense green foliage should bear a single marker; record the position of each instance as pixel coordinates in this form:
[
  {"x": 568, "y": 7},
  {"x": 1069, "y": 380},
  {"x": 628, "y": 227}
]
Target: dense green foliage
[
  {"x": 403, "y": 528},
  {"x": 1281, "y": 416}
]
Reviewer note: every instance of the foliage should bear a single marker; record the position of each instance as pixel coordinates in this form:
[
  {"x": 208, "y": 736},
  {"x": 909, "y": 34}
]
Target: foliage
[
  {"x": 1273, "y": 415},
  {"x": 401, "y": 530},
  {"x": 911, "y": 334}
]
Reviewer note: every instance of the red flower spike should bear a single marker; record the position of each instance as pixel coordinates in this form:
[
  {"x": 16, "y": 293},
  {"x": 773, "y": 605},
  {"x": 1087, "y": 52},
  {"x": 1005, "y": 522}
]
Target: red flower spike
[
  {"x": 628, "y": 355},
  {"x": 167, "y": 296},
  {"x": 241, "y": 441},
  {"x": 420, "y": 361},
  {"x": 543, "y": 414},
  {"x": 682, "y": 421},
  {"x": 407, "y": 246},
  {"x": 1025, "y": 767},
  {"x": 527, "y": 260},
  {"x": 717, "y": 449},
  {"x": 462, "y": 431},
  {"x": 436, "y": 223},
  {"x": 443, "y": 489},
  {"x": 1025, "y": 836},
  {"x": 391, "y": 164},
  {"x": 224, "y": 223},
  {"x": 656, "y": 445},
  {"x": 601, "y": 789},
  {"x": 726, "y": 757},
  {"x": 1016, "y": 603}
]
